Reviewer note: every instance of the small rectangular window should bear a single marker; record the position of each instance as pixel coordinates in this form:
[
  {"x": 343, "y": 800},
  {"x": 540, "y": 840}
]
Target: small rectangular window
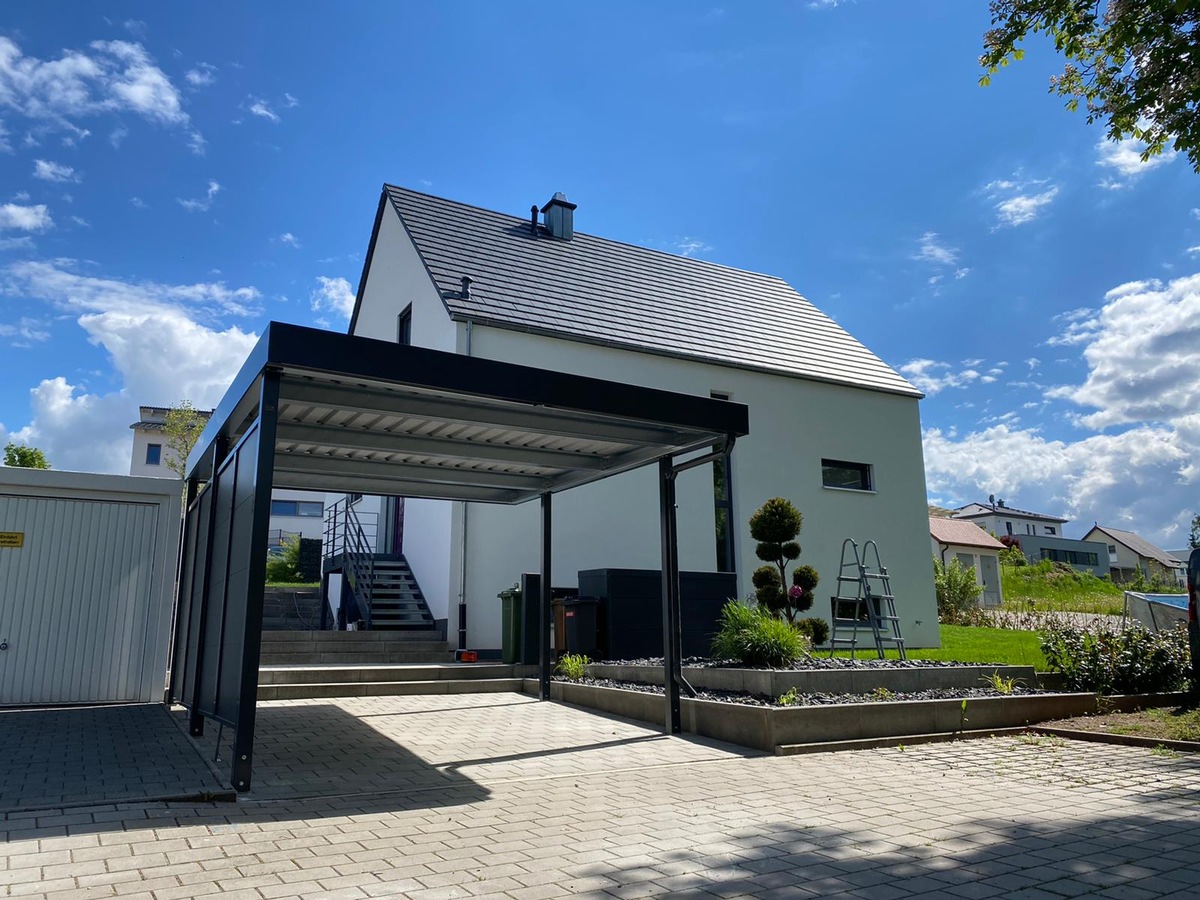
[
  {"x": 1008, "y": 526},
  {"x": 1112, "y": 548},
  {"x": 297, "y": 508},
  {"x": 404, "y": 326},
  {"x": 1050, "y": 529},
  {"x": 154, "y": 454},
  {"x": 836, "y": 473}
]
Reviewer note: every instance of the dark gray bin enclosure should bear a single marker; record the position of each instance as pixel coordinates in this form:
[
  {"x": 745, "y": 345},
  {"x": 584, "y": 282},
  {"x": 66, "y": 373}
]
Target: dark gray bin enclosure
[
  {"x": 631, "y": 625},
  {"x": 582, "y": 628},
  {"x": 316, "y": 410}
]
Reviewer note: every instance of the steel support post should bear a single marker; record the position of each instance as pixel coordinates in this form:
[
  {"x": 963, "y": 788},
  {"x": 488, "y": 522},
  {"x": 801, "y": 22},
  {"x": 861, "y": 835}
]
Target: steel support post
[
  {"x": 547, "y": 654},
  {"x": 178, "y": 640},
  {"x": 264, "y": 472},
  {"x": 220, "y": 449},
  {"x": 672, "y": 644}
]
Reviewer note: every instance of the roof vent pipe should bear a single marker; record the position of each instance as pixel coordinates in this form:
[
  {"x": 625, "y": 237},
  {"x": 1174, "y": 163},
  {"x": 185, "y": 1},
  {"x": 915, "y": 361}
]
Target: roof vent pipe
[
  {"x": 465, "y": 293},
  {"x": 533, "y": 211},
  {"x": 559, "y": 216}
]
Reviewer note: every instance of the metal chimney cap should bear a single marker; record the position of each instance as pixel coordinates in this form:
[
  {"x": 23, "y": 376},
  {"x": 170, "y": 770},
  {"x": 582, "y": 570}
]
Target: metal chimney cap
[{"x": 560, "y": 199}]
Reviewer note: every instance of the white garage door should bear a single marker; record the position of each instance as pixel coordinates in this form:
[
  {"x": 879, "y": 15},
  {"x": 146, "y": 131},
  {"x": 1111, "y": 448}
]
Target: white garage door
[{"x": 75, "y": 600}]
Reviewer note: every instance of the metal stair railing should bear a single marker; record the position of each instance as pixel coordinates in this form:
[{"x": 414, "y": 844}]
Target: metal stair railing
[{"x": 345, "y": 536}]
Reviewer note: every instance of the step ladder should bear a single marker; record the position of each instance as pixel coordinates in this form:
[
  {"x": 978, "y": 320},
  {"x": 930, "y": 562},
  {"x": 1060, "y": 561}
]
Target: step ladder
[{"x": 864, "y": 602}]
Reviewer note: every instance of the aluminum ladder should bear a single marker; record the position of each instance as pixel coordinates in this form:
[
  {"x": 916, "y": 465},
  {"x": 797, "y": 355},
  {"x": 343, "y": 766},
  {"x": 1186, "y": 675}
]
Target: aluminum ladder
[{"x": 864, "y": 601}]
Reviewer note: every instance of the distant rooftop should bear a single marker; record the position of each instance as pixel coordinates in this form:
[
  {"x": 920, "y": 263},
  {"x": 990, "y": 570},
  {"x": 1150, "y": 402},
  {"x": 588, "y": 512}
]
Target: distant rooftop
[
  {"x": 989, "y": 509},
  {"x": 153, "y": 417},
  {"x": 1141, "y": 546},
  {"x": 962, "y": 533}
]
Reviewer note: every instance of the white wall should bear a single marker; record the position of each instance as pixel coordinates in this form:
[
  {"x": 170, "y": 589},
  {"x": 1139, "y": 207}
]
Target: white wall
[
  {"x": 305, "y": 526},
  {"x": 793, "y": 425},
  {"x": 999, "y": 522},
  {"x": 137, "y": 463},
  {"x": 397, "y": 278}
]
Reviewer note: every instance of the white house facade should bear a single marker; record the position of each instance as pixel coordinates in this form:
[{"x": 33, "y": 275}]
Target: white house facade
[
  {"x": 832, "y": 427},
  {"x": 996, "y": 517}
]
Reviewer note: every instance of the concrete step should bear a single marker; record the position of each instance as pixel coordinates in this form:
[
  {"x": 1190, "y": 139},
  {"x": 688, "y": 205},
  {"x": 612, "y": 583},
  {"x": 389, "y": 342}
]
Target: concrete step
[
  {"x": 346, "y": 638},
  {"x": 346, "y": 674},
  {"x": 335, "y": 658},
  {"x": 388, "y": 688}
]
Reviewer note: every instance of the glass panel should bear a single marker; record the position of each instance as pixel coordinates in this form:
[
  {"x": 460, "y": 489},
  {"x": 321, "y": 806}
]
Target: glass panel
[
  {"x": 308, "y": 508},
  {"x": 153, "y": 454},
  {"x": 835, "y": 473}
]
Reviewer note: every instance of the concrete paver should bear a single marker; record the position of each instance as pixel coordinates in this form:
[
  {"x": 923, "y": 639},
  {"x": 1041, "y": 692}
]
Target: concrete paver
[{"x": 501, "y": 796}]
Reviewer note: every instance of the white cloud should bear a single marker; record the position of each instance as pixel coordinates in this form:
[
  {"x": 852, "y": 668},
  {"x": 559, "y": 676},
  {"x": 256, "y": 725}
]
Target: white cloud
[
  {"x": 138, "y": 203},
  {"x": 288, "y": 238},
  {"x": 1143, "y": 354},
  {"x": 25, "y": 218},
  {"x": 135, "y": 27},
  {"x": 1019, "y": 200},
  {"x": 201, "y": 76},
  {"x": 139, "y": 324},
  {"x": 5, "y": 146},
  {"x": 52, "y": 171},
  {"x": 1024, "y": 207},
  {"x": 25, "y": 332},
  {"x": 959, "y": 274},
  {"x": 335, "y": 295},
  {"x": 202, "y": 204},
  {"x": 111, "y": 77},
  {"x": 258, "y": 107},
  {"x": 81, "y": 221},
  {"x": 289, "y": 102},
  {"x": 1125, "y": 158},
  {"x": 690, "y": 246},
  {"x": 23, "y": 243},
  {"x": 932, "y": 377},
  {"x": 930, "y": 249},
  {"x": 117, "y": 137},
  {"x": 1193, "y": 250}
]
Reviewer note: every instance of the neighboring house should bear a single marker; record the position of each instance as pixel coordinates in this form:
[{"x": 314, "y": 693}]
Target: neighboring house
[
  {"x": 292, "y": 512},
  {"x": 1004, "y": 520},
  {"x": 974, "y": 548},
  {"x": 1129, "y": 554},
  {"x": 1086, "y": 556},
  {"x": 453, "y": 277}
]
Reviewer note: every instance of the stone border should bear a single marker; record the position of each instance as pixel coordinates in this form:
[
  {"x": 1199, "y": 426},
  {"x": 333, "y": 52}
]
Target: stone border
[
  {"x": 768, "y": 728},
  {"x": 773, "y": 682}
]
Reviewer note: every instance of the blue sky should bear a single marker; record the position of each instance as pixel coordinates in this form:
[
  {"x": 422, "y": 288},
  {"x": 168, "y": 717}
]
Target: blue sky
[{"x": 174, "y": 176}]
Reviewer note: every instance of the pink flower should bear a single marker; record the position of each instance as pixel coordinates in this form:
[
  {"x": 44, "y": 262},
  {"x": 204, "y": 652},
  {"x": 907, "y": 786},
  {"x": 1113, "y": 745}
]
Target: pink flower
[{"x": 795, "y": 592}]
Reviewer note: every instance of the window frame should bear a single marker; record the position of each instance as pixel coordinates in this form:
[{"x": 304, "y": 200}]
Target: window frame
[
  {"x": 404, "y": 326},
  {"x": 157, "y": 454},
  {"x": 866, "y": 472}
]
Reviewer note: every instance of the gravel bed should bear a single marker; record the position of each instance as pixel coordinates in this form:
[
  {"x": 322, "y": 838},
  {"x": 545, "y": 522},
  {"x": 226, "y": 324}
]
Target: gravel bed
[
  {"x": 807, "y": 664},
  {"x": 805, "y": 699}
]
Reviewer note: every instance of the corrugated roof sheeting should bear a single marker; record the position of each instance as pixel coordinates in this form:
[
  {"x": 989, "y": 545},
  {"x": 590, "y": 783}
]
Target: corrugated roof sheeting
[{"x": 604, "y": 291}]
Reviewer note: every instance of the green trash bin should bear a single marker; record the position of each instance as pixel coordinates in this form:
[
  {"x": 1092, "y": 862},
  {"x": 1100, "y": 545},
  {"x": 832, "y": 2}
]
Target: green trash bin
[{"x": 510, "y": 625}]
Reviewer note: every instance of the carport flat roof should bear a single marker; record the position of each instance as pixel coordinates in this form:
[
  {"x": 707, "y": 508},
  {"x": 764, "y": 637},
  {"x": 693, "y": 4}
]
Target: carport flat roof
[{"x": 368, "y": 416}]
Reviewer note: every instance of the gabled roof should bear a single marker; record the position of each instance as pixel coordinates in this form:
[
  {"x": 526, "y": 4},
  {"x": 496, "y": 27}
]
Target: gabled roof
[
  {"x": 962, "y": 533},
  {"x": 1140, "y": 546},
  {"x": 987, "y": 509},
  {"x": 602, "y": 291}
]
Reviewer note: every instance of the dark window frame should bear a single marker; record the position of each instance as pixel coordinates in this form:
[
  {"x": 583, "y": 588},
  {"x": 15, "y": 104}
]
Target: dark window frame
[
  {"x": 865, "y": 471},
  {"x": 404, "y": 326},
  {"x": 154, "y": 454},
  {"x": 292, "y": 509}
]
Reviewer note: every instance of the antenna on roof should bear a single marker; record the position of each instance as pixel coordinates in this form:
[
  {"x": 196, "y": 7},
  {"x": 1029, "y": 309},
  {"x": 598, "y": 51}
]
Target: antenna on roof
[{"x": 991, "y": 500}]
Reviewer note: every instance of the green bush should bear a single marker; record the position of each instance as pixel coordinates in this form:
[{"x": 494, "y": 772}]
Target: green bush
[
  {"x": 572, "y": 665},
  {"x": 284, "y": 567},
  {"x": 957, "y": 593},
  {"x": 816, "y": 630},
  {"x": 775, "y": 525},
  {"x": 1112, "y": 660},
  {"x": 752, "y": 636}
]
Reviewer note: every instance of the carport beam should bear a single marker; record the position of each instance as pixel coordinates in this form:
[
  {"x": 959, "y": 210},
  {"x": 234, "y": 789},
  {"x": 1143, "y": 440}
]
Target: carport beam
[
  {"x": 672, "y": 645},
  {"x": 546, "y": 651}
]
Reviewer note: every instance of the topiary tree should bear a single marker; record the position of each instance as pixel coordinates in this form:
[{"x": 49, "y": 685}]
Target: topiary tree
[{"x": 775, "y": 526}]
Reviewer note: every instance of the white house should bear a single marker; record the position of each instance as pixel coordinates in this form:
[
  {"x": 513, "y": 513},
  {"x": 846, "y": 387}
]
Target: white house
[
  {"x": 832, "y": 427},
  {"x": 996, "y": 517},
  {"x": 292, "y": 512},
  {"x": 974, "y": 548},
  {"x": 1129, "y": 554}
]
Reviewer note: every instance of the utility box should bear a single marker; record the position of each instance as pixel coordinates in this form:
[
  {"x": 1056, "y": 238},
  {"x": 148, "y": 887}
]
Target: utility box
[{"x": 87, "y": 571}]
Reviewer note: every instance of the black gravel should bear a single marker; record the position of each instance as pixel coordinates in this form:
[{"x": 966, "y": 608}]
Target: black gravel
[
  {"x": 807, "y": 664},
  {"x": 806, "y": 699}
]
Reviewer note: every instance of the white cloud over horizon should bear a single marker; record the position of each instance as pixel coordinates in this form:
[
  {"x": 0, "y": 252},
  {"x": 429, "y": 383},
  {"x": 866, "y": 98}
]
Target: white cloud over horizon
[
  {"x": 138, "y": 324},
  {"x": 25, "y": 218},
  {"x": 333, "y": 295}
]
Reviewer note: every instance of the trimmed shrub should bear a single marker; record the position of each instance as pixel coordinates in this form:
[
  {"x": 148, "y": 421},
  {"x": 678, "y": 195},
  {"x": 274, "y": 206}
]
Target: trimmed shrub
[
  {"x": 816, "y": 630},
  {"x": 775, "y": 525},
  {"x": 1111, "y": 660},
  {"x": 752, "y": 636}
]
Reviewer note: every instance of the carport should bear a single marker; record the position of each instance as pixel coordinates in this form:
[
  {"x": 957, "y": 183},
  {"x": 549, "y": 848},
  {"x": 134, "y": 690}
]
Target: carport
[{"x": 318, "y": 410}]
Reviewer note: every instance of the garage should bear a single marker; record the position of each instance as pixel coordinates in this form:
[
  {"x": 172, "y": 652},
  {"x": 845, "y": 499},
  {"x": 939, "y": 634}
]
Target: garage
[{"x": 87, "y": 568}]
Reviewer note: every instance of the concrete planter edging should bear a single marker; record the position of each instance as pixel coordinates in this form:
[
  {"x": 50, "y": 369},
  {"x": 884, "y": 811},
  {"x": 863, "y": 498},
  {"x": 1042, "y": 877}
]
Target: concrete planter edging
[{"x": 765, "y": 728}]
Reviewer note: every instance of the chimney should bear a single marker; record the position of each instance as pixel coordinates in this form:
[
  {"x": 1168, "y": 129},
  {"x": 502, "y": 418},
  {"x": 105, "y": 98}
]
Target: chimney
[{"x": 559, "y": 216}]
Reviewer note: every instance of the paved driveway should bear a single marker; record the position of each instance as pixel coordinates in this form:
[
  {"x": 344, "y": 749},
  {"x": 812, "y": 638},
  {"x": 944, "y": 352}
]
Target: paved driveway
[{"x": 501, "y": 796}]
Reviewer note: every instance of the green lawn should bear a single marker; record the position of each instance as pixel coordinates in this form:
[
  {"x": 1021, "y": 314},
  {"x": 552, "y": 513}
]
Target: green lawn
[
  {"x": 1042, "y": 588},
  {"x": 970, "y": 644}
]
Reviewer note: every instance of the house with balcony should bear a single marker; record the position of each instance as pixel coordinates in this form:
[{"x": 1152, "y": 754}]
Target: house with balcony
[
  {"x": 531, "y": 288},
  {"x": 1038, "y": 535}
]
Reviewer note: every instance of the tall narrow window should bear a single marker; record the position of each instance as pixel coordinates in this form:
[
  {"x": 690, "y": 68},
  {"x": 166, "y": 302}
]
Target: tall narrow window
[
  {"x": 404, "y": 326},
  {"x": 153, "y": 454},
  {"x": 723, "y": 508}
]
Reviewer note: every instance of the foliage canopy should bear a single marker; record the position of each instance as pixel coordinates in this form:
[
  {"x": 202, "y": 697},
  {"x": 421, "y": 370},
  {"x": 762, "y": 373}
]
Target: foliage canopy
[
  {"x": 1132, "y": 64},
  {"x": 182, "y": 428},
  {"x": 19, "y": 456}
]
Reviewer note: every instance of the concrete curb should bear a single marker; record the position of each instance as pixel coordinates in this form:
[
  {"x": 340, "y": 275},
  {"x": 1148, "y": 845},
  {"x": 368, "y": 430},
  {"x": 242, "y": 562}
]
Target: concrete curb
[
  {"x": 767, "y": 728},
  {"x": 1125, "y": 740}
]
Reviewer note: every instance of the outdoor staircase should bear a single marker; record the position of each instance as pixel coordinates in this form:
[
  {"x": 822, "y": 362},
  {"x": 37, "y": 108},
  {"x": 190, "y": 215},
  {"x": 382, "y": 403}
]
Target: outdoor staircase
[
  {"x": 396, "y": 600},
  {"x": 319, "y": 681}
]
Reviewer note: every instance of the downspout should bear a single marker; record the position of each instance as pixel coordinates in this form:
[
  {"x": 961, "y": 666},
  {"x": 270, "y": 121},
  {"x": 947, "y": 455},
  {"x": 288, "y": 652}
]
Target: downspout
[{"x": 462, "y": 560}]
